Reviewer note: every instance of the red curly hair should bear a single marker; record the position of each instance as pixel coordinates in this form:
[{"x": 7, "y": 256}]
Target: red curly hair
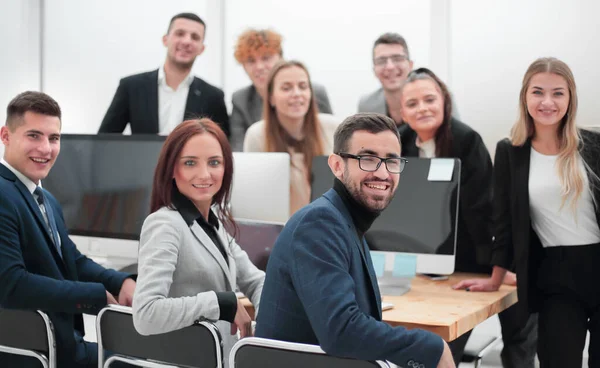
[{"x": 257, "y": 42}]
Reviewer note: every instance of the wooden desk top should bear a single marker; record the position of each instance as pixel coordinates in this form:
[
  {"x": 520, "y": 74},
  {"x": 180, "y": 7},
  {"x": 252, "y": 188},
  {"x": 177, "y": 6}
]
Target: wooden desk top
[{"x": 436, "y": 307}]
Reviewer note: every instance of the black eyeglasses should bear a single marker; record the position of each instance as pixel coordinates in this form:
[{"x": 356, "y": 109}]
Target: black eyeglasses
[{"x": 371, "y": 163}]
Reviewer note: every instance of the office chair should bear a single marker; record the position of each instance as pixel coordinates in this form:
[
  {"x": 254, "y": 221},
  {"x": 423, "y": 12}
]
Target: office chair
[
  {"x": 254, "y": 352},
  {"x": 197, "y": 346},
  {"x": 478, "y": 348},
  {"x": 28, "y": 333}
]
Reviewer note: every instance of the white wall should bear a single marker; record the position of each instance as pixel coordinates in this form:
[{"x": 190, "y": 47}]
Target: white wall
[
  {"x": 494, "y": 42},
  {"x": 20, "y": 62},
  {"x": 333, "y": 38},
  {"x": 90, "y": 45}
]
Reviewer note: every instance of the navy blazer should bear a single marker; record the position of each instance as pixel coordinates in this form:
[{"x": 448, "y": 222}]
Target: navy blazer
[
  {"x": 516, "y": 243},
  {"x": 136, "y": 102},
  {"x": 321, "y": 289},
  {"x": 34, "y": 276}
]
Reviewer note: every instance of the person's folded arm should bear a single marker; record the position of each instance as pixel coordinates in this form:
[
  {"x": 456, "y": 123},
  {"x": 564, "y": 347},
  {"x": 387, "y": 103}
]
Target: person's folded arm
[
  {"x": 22, "y": 289},
  {"x": 321, "y": 259}
]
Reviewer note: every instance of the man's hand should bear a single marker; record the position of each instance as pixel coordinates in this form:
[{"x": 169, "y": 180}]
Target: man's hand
[
  {"x": 242, "y": 321},
  {"x": 110, "y": 299},
  {"x": 446, "y": 361},
  {"x": 126, "y": 293}
]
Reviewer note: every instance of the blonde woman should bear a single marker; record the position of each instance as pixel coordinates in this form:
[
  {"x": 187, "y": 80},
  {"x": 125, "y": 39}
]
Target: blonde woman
[
  {"x": 546, "y": 218},
  {"x": 292, "y": 124}
]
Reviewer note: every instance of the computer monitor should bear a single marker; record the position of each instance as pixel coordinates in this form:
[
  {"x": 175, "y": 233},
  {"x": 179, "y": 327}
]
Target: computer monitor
[
  {"x": 420, "y": 220},
  {"x": 257, "y": 239},
  {"x": 261, "y": 186},
  {"x": 104, "y": 182}
]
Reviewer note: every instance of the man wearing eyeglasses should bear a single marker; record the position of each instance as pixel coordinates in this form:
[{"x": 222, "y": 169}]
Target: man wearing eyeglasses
[
  {"x": 391, "y": 65},
  {"x": 320, "y": 286}
]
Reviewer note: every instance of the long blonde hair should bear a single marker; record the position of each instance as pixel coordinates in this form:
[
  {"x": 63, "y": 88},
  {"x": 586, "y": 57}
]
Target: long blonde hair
[{"x": 570, "y": 176}]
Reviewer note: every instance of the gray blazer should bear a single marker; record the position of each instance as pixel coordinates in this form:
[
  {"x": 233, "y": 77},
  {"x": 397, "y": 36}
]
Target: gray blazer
[
  {"x": 248, "y": 109},
  {"x": 179, "y": 270},
  {"x": 375, "y": 102}
]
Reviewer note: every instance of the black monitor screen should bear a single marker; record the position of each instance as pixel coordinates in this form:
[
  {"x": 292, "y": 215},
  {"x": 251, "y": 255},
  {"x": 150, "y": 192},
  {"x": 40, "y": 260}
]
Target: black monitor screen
[
  {"x": 104, "y": 182},
  {"x": 420, "y": 219}
]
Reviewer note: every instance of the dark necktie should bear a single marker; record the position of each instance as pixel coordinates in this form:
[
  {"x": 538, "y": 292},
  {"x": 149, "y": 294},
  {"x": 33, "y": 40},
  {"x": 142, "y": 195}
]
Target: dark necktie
[{"x": 49, "y": 217}]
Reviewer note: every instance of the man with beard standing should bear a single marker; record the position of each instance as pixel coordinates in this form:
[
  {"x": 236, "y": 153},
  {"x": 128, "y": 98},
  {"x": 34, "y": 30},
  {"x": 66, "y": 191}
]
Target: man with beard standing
[{"x": 320, "y": 286}]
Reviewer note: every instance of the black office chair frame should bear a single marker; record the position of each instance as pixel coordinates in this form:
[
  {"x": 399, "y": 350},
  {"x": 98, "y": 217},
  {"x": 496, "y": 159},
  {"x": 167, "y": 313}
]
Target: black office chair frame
[
  {"x": 288, "y": 354},
  {"x": 199, "y": 345},
  {"x": 28, "y": 333}
]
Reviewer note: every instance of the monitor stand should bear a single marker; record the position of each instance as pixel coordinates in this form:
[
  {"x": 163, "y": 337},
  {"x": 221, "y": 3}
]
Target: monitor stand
[{"x": 393, "y": 286}]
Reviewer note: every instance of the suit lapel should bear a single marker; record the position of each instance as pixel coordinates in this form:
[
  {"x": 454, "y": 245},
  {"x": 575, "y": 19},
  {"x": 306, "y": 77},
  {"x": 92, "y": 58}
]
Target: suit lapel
[
  {"x": 152, "y": 107},
  {"x": 409, "y": 141},
  {"x": 35, "y": 209},
  {"x": 194, "y": 102},
  {"x": 361, "y": 244},
  {"x": 207, "y": 243},
  {"x": 521, "y": 161}
]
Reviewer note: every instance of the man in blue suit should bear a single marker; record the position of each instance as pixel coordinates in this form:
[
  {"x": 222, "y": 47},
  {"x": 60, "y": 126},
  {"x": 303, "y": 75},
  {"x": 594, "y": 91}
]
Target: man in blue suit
[
  {"x": 320, "y": 286},
  {"x": 40, "y": 267}
]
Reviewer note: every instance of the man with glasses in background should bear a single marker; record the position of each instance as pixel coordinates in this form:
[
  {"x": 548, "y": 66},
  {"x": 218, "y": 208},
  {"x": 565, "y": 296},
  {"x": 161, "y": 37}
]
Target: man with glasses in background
[
  {"x": 391, "y": 65},
  {"x": 320, "y": 286}
]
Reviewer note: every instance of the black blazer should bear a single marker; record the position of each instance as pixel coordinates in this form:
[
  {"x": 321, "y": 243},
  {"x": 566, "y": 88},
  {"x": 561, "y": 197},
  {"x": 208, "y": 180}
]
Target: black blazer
[
  {"x": 474, "y": 214},
  {"x": 516, "y": 244},
  {"x": 136, "y": 102},
  {"x": 33, "y": 275}
]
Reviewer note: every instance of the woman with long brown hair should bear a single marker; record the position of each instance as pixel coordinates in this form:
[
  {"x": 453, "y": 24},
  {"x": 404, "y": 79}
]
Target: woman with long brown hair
[
  {"x": 189, "y": 265},
  {"x": 546, "y": 216},
  {"x": 432, "y": 132},
  {"x": 292, "y": 124}
]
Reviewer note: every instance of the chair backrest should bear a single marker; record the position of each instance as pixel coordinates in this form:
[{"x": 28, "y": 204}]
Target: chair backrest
[
  {"x": 198, "y": 345},
  {"x": 258, "y": 352},
  {"x": 27, "y": 333}
]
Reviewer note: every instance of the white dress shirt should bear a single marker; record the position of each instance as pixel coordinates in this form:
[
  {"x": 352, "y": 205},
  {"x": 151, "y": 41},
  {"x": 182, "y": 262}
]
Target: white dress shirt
[
  {"x": 426, "y": 149},
  {"x": 171, "y": 103},
  {"x": 554, "y": 225}
]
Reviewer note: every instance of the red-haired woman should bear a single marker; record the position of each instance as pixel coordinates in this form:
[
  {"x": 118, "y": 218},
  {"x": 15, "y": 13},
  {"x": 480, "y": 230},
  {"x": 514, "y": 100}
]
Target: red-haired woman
[{"x": 189, "y": 266}]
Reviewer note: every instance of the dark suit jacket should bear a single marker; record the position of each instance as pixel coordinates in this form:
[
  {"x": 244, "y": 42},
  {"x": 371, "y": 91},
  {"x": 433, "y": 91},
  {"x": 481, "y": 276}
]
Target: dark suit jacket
[
  {"x": 474, "y": 237},
  {"x": 34, "y": 276},
  {"x": 136, "y": 102},
  {"x": 515, "y": 242},
  {"x": 321, "y": 289},
  {"x": 248, "y": 109}
]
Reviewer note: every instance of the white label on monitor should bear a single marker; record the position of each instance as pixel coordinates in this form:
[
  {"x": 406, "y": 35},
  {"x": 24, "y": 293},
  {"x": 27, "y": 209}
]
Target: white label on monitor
[{"x": 441, "y": 169}]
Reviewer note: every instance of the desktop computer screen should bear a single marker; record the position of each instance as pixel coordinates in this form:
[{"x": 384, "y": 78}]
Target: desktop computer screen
[
  {"x": 420, "y": 220},
  {"x": 104, "y": 182},
  {"x": 261, "y": 186}
]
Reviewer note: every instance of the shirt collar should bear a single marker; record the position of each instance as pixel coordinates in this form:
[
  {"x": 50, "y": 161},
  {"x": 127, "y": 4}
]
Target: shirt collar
[
  {"x": 428, "y": 144},
  {"x": 189, "y": 212},
  {"x": 162, "y": 80},
  {"x": 25, "y": 180}
]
